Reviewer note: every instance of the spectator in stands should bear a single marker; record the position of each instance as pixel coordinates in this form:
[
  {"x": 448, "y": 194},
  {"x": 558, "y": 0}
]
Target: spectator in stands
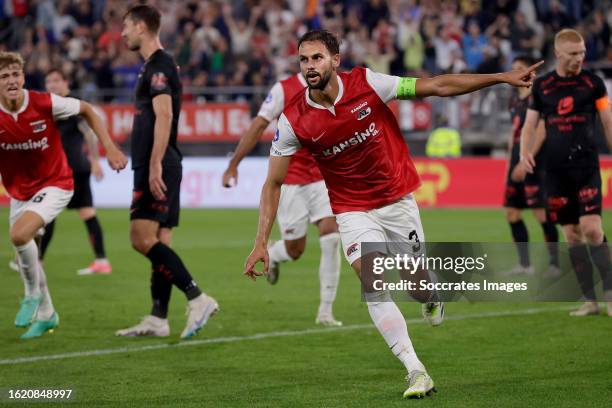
[
  {"x": 411, "y": 43},
  {"x": 522, "y": 36},
  {"x": 373, "y": 12},
  {"x": 241, "y": 31},
  {"x": 556, "y": 18},
  {"x": 62, "y": 21},
  {"x": 447, "y": 49},
  {"x": 474, "y": 44},
  {"x": 379, "y": 58},
  {"x": 428, "y": 37}
]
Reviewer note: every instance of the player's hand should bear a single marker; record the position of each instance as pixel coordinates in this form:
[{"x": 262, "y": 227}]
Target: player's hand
[
  {"x": 518, "y": 173},
  {"x": 96, "y": 170},
  {"x": 259, "y": 253},
  {"x": 230, "y": 177},
  {"x": 116, "y": 159},
  {"x": 528, "y": 162},
  {"x": 156, "y": 182},
  {"x": 522, "y": 77}
]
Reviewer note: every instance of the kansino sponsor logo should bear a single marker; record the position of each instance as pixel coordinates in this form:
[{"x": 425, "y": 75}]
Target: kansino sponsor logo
[
  {"x": 359, "y": 137},
  {"x": 41, "y": 144},
  {"x": 361, "y": 105}
]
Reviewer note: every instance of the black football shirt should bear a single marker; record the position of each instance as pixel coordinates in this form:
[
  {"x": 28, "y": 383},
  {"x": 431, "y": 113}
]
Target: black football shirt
[
  {"x": 159, "y": 76},
  {"x": 73, "y": 142},
  {"x": 568, "y": 106}
]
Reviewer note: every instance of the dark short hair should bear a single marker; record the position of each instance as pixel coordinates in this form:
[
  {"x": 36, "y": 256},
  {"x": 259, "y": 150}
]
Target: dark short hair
[
  {"x": 56, "y": 71},
  {"x": 147, "y": 14},
  {"x": 328, "y": 38},
  {"x": 525, "y": 59}
]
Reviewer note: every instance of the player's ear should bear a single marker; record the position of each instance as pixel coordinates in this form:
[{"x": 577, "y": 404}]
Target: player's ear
[
  {"x": 141, "y": 27},
  {"x": 336, "y": 60}
]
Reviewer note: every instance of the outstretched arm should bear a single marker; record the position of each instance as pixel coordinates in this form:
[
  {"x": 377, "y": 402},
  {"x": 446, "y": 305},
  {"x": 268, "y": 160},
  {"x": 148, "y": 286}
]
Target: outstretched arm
[
  {"x": 246, "y": 144},
  {"x": 459, "y": 84},
  {"x": 270, "y": 194}
]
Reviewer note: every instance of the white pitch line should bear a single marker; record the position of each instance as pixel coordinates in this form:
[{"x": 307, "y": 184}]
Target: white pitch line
[
  {"x": 260, "y": 336},
  {"x": 128, "y": 248}
]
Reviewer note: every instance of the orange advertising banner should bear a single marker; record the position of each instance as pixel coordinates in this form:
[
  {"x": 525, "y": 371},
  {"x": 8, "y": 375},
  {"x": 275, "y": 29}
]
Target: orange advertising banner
[{"x": 477, "y": 182}]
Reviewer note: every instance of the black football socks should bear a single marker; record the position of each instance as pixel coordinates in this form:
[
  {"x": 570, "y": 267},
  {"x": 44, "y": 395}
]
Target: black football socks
[{"x": 168, "y": 263}]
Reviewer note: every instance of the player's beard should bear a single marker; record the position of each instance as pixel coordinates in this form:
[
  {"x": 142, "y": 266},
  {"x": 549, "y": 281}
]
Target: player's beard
[{"x": 323, "y": 80}]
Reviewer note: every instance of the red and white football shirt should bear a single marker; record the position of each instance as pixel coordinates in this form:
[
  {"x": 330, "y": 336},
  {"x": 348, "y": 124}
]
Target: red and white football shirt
[
  {"x": 302, "y": 169},
  {"x": 357, "y": 142},
  {"x": 31, "y": 153}
]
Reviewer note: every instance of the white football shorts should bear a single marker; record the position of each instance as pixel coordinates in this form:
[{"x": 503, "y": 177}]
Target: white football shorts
[
  {"x": 299, "y": 205},
  {"x": 48, "y": 203},
  {"x": 398, "y": 223}
]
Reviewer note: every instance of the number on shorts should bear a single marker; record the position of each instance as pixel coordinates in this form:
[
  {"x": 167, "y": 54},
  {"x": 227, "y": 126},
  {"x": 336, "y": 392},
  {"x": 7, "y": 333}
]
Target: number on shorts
[
  {"x": 39, "y": 198},
  {"x": 413, "y": 235}
]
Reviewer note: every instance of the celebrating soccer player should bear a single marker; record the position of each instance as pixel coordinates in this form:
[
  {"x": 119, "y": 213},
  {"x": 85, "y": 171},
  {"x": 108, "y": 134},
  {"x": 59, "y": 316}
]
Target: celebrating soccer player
[
  {"x": 344, "y": 122},
  {"x": 568, "y": 98},
  {"x": 156, "y": 161},
  {"x": 530, "y": 191},
  {"x": 74, "y": 133},
  {"x": 303, "y": 199},
  {"x": 36, "y": 175}
]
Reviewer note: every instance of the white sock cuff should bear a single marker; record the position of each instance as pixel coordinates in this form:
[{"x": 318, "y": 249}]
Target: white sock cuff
[
  {"x": 378, "y": 296},
  {"x": 278, "y": 252},
  {"x": 25, "y": 246},
  {"x": 329, "y": 239}
]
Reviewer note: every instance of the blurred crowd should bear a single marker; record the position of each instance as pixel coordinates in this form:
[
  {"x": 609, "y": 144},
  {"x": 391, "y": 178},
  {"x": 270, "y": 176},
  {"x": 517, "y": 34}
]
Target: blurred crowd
[{"x": 253, "y": 42}]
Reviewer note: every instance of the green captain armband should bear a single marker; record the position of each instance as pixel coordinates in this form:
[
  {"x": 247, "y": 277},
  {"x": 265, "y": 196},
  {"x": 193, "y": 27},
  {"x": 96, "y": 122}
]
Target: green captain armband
[{"x": 406, "y": 88}]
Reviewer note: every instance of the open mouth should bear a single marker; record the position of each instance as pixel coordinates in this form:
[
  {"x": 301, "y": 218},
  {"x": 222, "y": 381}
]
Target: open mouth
[{"x": 312, "y": 75}]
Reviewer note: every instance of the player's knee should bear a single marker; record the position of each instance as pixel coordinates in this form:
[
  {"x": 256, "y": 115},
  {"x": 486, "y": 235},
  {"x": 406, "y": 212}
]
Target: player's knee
[
  {"x": 572, "y": 234},
  {"x": 540, "y": 215},
  {"x": 327, "y": 226},
  {"x": 165, "y": 237},
  {"x": 296, "y": 248},
  {"x": 19, "y": 236},
  {"x": 87, "y": 213},
  {"x": 592, "y": 232},
  {"x": 513, "y": 215},
  {"x": 141, "y": 243}
]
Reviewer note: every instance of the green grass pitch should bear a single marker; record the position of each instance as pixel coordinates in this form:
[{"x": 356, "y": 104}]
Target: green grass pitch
[{"x": 263, "y": 348}]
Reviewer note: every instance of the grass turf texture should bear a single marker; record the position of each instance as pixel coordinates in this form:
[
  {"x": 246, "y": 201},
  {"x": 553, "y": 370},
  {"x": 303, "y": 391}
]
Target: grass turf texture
[{"x": 539, "y": 359}]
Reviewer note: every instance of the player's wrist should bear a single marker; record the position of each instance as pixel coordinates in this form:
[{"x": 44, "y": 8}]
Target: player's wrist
[
  {"x": 233, "y": 163},
  {"x": 261, "y": 242},
  {"x": 502, "y": 77}
]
